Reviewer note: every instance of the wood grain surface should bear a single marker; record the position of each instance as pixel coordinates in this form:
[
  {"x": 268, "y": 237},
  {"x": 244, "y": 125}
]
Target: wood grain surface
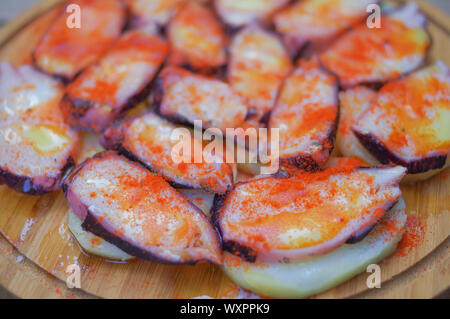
[{"x": 37, "y": 246}]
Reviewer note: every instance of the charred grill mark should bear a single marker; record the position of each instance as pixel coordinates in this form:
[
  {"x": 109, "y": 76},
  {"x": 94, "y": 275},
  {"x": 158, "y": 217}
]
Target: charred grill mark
[
  {"x": 74, "y": 109},
  {"x": 157, "y": 93},
  {"x": 244, "y": 252},
  {"x": 305, "y": 162}
]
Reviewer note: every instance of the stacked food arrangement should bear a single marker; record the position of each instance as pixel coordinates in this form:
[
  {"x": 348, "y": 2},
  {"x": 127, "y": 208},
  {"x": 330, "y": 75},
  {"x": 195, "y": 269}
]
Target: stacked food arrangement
[{"x": 358, "y": 108}]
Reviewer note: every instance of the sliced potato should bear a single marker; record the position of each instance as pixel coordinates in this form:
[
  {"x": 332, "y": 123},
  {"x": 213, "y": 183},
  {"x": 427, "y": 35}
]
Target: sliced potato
[{"x": 93, "y": 244}]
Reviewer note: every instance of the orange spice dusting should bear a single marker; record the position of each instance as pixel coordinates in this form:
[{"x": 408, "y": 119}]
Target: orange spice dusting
[
  {"x": 299, "y": 120},
  {"x": 96, "y": 241},
  {"x": 134, "y": 47},
  {"x": 158, "y": 153},
  {"x": 416, "y": 106},
  {"x": 398, "y": 139},
  {"x": 413, "y": 237},
  {"x": 131, "y": 194},
  {"x": 362, "y": 50},
  {"x": 347, "y": 161}
]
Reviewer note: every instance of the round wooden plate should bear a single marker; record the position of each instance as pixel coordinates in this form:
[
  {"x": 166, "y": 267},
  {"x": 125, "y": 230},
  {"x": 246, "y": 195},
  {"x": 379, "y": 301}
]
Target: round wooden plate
[{"x": 37, "y": 246}]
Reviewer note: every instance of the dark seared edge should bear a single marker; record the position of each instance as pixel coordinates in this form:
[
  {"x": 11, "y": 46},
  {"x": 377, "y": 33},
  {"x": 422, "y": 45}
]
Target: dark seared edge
[
  {"x": 386, "y": 156},
  {"x": 241, "y": 251},
  {"x": 112, "y": 139},
  {"x": 219, "y": 201},
  {"x": 361, "y": 234},
  {"x": 31, "y": 185},
  {"x": 307, "y": 162},
  {"x": 92, "y": 225},
  {"x": 158, "y": 96},
  {"x": 74, "y": 109},
  {"x": 304, "y": 162},
  {"x": 233, "y": 247},
  {"x": 216, "y": 72}
]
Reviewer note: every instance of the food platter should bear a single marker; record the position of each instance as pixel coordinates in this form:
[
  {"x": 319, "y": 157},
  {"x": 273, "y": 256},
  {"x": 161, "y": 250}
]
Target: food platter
[{"x": 37, "y": 246}]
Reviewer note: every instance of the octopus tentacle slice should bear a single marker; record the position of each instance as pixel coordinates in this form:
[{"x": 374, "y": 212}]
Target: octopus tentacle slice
[
  {"x": 64, "y": 51},
  {"x": 185, "y": 97},
  {"x": 236, "y": 13},
  {"x": 258, "y": 64},
  {"x": 148, "y": 139},
  {"x": 285, "y": 220},
  {"x": 119, "y": 81},
  {"x": 319, "y": 22},
  {"x": 306, "y": 114},
  {"x": 373, "y": 56},
  {"x": 352, "y": 103},
  {"x": 37, "y": 147},
  {"x": 140, "y": 213},
  {"x": 407, "y": 123},
  {"x": 314, "y": 275},
  {"x": 152, "y": 11},
  {"x": 197, "y": 39}
]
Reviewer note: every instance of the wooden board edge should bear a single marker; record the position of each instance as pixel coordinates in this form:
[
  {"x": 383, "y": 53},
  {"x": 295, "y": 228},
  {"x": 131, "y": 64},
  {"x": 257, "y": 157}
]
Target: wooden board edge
[
  {"x": 427, "y": 278},
  {"x": 27, "y": 267},
  {"x": 439, "y": 17}
]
